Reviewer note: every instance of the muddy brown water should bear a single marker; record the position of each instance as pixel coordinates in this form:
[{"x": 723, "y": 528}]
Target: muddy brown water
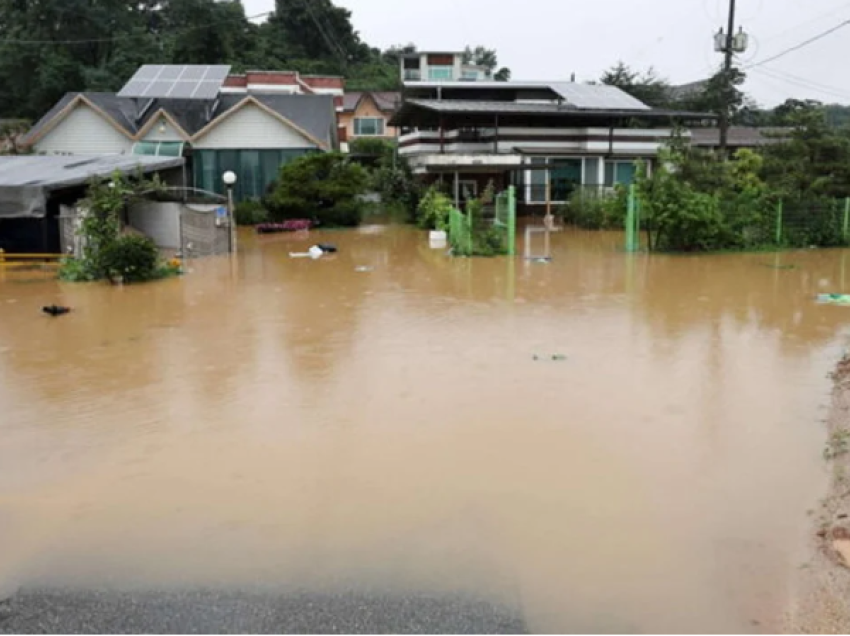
[{"x": 294, "y": 422}]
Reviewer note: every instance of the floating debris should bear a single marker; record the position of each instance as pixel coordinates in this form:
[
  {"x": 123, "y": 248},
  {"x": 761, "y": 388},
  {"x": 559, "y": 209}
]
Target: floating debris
[
  {"x": 556, "y": 357},
  {"x": 834, "y": 299}
]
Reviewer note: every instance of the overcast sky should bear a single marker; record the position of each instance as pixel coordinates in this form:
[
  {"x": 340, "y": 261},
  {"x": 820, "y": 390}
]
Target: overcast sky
[{"x": 551, "y": 39}]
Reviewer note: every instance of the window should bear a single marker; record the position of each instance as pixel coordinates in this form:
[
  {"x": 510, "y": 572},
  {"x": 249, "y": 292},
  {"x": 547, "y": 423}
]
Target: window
[
  {"x": 368, "y": 127},
  {"x": 619, "y": 173},
  {"x": 469, "y": 75},
  {"x": 537, "y": 182},
  {"x": 158, "y": 148},
  {"x": 438, "y": 73}
]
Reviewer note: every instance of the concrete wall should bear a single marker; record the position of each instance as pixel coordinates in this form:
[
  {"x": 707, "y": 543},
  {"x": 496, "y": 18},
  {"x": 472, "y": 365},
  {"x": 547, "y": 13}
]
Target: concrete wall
[
  {"x": 84, "y": 132},
  {"x": 252, "y": 127},
  {"x": 158, "y": 220}
]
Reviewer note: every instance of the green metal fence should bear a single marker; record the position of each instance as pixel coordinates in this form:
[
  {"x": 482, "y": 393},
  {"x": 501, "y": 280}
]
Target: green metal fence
[
  {"x": 785, "y": 224},
  {"x": 460, "y": 233},
  {"x": 471, "y": 234},
  {"x": 505, "y": 218}
]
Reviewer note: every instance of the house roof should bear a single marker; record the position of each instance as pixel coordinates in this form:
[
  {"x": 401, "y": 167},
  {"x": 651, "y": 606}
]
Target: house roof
[
  {"x": 25, "y": 181},
  {"x": 741, "y": 136},
  {"x": 387, "y": 101},
  {"x": 475, "y": 107},
  {"x": 683, "y": 91},
  {"x": 314, "y": 114}
]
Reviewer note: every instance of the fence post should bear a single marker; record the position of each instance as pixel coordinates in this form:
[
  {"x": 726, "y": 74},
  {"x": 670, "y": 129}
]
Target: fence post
[
  {"x": 630, "y": 221},
  {"x": 846, "y": 218},
  {"x": 512, "y": 220},
  {"x": 779, "y": 223}
]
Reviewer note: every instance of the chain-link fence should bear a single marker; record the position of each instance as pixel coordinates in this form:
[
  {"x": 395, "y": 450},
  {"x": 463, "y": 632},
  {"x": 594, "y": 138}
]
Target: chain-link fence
[
  {"x": 204, "y": 231},
  {"x": 738, "y": 224}
]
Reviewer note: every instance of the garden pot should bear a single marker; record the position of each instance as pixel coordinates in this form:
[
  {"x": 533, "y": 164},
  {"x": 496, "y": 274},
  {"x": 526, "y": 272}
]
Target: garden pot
[{"x": 437, "y": 239}]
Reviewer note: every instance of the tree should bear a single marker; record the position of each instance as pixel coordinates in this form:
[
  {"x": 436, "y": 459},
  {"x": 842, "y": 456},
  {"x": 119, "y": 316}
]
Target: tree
[
  {"x": 487, "y": 58},
  {"x": 813, "y": 160},
  {"x": 645, "y": 86},
  {"x": 326, "y": 186},
  {"x": 314, "y": 30},
  {"x": 720, "y": 89}
]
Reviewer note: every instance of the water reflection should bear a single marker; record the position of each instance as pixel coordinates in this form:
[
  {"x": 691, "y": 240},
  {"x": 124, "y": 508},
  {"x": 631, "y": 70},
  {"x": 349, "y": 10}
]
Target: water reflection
[{"x": 378, "y": 419}]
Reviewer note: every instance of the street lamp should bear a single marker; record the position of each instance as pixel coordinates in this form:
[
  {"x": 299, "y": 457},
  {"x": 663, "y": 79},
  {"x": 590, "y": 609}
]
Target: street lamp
[{"x": 229, "y": 179}]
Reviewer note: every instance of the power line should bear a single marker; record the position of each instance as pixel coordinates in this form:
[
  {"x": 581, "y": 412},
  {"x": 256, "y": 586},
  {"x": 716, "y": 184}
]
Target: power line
[
  {"x": 832, "y": 12},
  {"x": 797, "y": 47},
  {"x": 793, "y": 81},
  {"x": 806, "y": 81},
  {"x": 119, "y": 38}
]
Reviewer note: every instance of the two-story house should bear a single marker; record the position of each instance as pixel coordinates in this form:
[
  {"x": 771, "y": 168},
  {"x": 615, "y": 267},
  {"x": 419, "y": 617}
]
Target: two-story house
[{"x": 545, "y": 138}]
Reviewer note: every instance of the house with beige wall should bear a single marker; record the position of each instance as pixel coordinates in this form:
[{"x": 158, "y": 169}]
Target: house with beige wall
[{"x": 367, "y": 114}]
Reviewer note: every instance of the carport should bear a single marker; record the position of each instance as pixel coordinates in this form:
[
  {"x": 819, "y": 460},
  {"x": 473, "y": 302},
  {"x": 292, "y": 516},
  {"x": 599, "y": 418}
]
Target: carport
[{"x": 32, "y": 189}]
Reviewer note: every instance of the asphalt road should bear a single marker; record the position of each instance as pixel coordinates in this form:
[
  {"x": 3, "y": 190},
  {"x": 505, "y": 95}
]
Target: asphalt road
[{"x": 31, "y": 611}]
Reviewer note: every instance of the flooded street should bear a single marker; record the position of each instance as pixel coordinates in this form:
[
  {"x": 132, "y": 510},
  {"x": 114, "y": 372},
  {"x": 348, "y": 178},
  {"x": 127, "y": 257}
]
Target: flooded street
[{"x": 296, "y": 424}]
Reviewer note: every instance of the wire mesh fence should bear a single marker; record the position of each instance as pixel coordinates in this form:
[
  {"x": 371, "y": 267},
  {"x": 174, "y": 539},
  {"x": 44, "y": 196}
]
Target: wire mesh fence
[{"x": 485, "y": 230}]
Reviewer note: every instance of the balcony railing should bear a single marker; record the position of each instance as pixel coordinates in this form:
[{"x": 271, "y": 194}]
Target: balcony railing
[{"x": 412, "y": 75}]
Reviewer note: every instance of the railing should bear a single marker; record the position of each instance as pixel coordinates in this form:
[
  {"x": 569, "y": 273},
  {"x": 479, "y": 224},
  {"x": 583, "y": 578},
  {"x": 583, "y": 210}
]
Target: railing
[{"x": 412, "y": 75}]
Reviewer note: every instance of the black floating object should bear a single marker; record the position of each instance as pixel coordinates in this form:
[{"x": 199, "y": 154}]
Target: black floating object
[
  {"x": 328, "y": 248},
  {"x": 55, "y": 310}
]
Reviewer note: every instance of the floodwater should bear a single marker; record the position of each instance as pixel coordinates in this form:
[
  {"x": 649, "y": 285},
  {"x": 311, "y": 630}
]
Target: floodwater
[{"x": 303, "y": 423}]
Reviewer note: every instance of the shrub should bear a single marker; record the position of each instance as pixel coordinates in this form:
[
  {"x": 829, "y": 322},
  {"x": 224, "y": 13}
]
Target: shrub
[
  {"x": 597, "y": 209},
  {"x": 251, "y": 212},
  {"x": 324, "y": 187},
  {"x": 133, "y": 257},
  {"x": 432, "y": 213}
]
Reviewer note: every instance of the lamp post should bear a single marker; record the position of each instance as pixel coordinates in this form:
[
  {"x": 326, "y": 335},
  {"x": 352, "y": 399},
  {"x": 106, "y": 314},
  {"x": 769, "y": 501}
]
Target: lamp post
[{"x": 229, "y": 179}]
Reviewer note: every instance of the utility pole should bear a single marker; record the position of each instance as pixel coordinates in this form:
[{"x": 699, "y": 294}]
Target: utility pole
[
  {"x": 728, "y": 43},
  {"x": 727, "y": 81}
]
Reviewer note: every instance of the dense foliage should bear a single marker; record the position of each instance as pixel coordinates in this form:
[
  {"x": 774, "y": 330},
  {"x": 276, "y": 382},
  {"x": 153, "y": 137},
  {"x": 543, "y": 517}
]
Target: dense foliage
[
  {"x": 132, "y": 258},
  {"x": 327, "y": 188},
  {"x": 106, "y": 253},
  {"x": 596, "y": 209},
  {"x": 50, "y": 47},
  {"x": 250, "y": 212},
  {"x": 790, "y": 195},
  {"x": 433, "y": 210}
]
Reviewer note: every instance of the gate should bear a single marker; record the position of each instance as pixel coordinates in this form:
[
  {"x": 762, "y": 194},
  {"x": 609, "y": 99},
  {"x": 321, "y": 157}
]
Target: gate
[{"x": 204, "y": 231}]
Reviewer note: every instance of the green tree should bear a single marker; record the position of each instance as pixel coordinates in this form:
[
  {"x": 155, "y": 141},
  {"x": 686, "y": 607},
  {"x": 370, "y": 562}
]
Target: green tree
[
  {"x": 645, "y": 86},
  {"x": 813, "y": 160},
  {"x": 482, "y": 56},
  {"x": 327, "y": 187}
]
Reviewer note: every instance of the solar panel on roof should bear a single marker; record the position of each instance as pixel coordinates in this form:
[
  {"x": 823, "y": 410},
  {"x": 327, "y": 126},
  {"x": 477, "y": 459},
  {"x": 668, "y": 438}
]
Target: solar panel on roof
[
  {"x": 176, "y": 82},
  {"x": 599, "y": 97}
]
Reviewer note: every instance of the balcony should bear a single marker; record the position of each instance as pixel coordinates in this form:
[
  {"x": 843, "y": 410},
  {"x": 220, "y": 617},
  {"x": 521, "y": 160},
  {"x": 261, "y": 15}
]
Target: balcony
[{"x": 412, "y": 75}]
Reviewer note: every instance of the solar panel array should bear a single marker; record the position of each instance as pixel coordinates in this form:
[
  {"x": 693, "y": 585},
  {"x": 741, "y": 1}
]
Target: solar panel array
[
  {"x": 176, "y": 82},
  {"x": 600, "y": 97}
]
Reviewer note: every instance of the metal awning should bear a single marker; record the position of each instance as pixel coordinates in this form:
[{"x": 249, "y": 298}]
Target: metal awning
[{"x": 27, "y": 181}]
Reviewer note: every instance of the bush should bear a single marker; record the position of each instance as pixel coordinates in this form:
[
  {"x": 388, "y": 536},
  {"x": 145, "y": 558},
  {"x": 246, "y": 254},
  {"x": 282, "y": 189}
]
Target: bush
[
  {"x": 432, "y": 213},
  {"x": 597, "y": 209},
  {"x": 251, "y": 212},
  {"x": 133, "y": 257},
  {"x": 323, "y": 187}
]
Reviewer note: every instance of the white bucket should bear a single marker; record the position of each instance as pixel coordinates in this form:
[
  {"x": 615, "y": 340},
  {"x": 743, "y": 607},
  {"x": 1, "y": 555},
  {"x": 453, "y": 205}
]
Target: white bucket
[{"x": 437, "y": 239}]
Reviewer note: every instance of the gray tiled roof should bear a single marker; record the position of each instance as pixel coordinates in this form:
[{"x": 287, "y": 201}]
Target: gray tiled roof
[
  {"x": 313, "y": 113},
  {"x": 387, "y": 101},
  {"x": 476, "y": 106}
]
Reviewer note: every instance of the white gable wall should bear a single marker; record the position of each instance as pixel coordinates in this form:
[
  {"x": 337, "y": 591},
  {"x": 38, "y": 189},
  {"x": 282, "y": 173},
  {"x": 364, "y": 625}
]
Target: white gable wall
[
  {"x": 84, "y": 132},
  {"x": 170, "y": 133},
  {"x": 252, "y": 127}
]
